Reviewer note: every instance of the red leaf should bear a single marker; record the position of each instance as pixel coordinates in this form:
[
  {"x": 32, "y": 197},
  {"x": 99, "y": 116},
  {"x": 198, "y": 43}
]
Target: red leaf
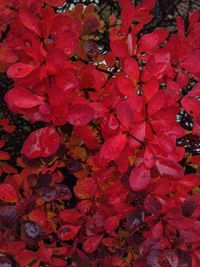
[
  {"x": 149, "y": 159},
  {"x": 68, "y": 232},
  {"x": 54, "y": 3},
  {"x": 113, "y": 147},
  {"x": 29, "y": 20},
  {"x": 20, "y": 70},
  {"x": 125, "y": 86},
  {"x": 196, "y": 128},
  {"x": 7, "y": 55},
  {"x": 59, "y": 107},
  {"x": 8, "y": 169},
  {"x": 148, "y": 41},
  {"x": 22, "y": 98},
  {"x": 111, "y": 224},
  {"x": 38, "y": 216},
  {"x": 119, "y": 48},
  {"x": 192, "y": 62},
  {"x": 14, "y": 247},
  {"x": 87, "y": 135},
  {"x": 137, "y": 131},
  {"x": 139, "y": 177},
  {"x": 66, "y": 80},
  {"x": 156, "y": 102},
  {"x": 162, "y": 34},
  {"x": 45, "y": 254},
  {"x": 41, "y": 143},
  {"x": 8, "y": 193},
  {"x": 148, "y": 4},
  {"x": 4, "y": 155},
  {"x": 182, "y": 78},
  {"x": 25, "y": 257},
  {"x": 80, "y": 114},
  {"x": 2, "y": 143},
  {"x": 85, "y": 188},
  {"x": 91, "y": 77},
  {"x": 91, "y": 244},
  {"x": 169, "y": 168},
  {"x": 127, "y": 15},
  {"x": 131, "y": 68},
  {"x": 124, "y": 114},
  {"x": 70, "y": 215},
  {"x": 191, "y": 102},
  {"x": 67, "y": 40},
  {"x": 190, "y": 181},
  {"x": 55, "y": 60},
  {"x": 150, "y": 88},
  {"x": 195, "y": 90}
]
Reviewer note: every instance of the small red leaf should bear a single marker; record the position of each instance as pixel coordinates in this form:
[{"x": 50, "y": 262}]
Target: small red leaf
[
  {"x": 22, "y": 98},
  {"x": 54, "y": 3},
  {"x": 150, "y": 88},
  {"x": 29, "y": 20},
  {"x": 8, "y": 193},
  {"x": 91, "y": 244},
  {"x": 8, "y": 168},
  {"x": 192, "y": 62},
  {"x": 119, "y": 48},
  {"x": 113, "y": 147},
  {"x": 87, "y": 135},
  {"x": 148, "y": 41},
  {"x": 20, "y": 70},
  {"x": 125, "y": 86},
  {"x": 85, "y": 188},
  {"x": 14, "y": 247},
  {"x": 169, "y": 168},
  {"x": 80, "y": 114},
  {"x": 25, "y": 257},
  {"x": 68, "y": 232},
  {"x": 2, "y": 143},
  {"x": 190, "y": 181},
  {"x": 124, "y": 114},
  {"x": 38, "y": 216},
  {"x": 4, "y": 155},
  {"x": 111, "y": 224},
  {"x": 139, "y": 177},
  {"x": 70, "y": 215},
  {"x": 41, "y": 143},
  {"x": 67, "y": 40},
  {"x": 55, "y": 61},
  {"x": 45, "y": 254},
  {"x": 131, "y": 68}
]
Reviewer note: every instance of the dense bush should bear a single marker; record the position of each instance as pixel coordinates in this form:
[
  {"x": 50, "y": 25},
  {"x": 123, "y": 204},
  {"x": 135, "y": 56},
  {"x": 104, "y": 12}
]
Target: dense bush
[{"x": 104, "y": 181}]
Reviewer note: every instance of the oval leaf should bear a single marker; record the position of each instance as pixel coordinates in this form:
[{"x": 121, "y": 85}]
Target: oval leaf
[
  {"x": 20, "y": 70},
  {"x": 113, "y": 147},
  {"x": 41, "y": 143},
  {"x": 29, "y": 20},
  {"x": 168, "y": 167},
  {"x": 80, "y": 114},
  {"x": 22, "y": 98},
  {"x": 68, "y": 232},
  {"x": 8, "y": 193},
  {"x": 25, "y": 257},
  {"x": 91, "y": 244},
  {"x": 139, "y": 177}
]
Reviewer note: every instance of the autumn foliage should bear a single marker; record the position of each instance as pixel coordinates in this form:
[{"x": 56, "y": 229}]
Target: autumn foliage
[{"x": 103, "y": 182}]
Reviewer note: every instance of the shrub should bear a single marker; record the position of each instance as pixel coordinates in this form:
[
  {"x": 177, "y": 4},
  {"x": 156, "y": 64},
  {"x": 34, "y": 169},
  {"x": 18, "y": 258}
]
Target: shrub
[{"x": 104, "y": 180}]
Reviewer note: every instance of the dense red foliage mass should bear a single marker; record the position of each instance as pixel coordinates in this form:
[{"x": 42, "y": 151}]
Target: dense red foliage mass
[{"x": 110, "y": 120}]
